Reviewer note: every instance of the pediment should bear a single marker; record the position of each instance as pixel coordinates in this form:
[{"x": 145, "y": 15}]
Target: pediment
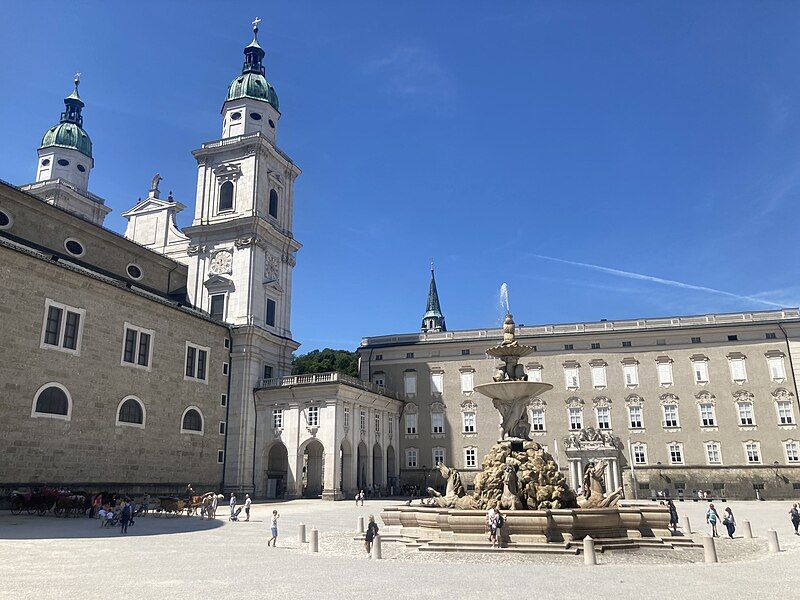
[
  {"x": 150, "y": 204},
  {"x": 219, "y": 282}
]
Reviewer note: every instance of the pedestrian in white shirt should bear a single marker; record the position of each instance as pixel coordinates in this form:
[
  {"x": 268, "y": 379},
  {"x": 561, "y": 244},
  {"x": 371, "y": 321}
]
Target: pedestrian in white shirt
[{"x": 247, "y": 503}]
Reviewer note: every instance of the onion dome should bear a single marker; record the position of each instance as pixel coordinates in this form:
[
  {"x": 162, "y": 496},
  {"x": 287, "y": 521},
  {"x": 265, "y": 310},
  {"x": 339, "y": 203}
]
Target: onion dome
[
  {"x": 69, "y": 132},
  {"x": 252, "y": 83}
]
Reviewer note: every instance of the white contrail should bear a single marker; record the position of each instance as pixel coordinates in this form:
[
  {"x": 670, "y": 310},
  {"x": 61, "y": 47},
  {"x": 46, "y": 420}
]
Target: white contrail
[{"x": 669, "y": 282}]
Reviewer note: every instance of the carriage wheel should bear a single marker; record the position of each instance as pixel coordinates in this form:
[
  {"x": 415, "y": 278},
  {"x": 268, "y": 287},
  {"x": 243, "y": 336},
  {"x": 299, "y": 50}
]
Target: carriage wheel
[
  {"x": 16, "y": 507},
  {"x": 57, "y": 510},
  {"x": 42, "y": 511},
  {"x": 157, "y": 513},
  {"x": 31, "y": 510}
]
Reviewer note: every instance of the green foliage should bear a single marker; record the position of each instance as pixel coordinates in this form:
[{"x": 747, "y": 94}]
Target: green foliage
[{"x": 323, "y": 361}]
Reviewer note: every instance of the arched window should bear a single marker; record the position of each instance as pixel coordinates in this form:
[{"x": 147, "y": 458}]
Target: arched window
[
  {"x": 226, "y": 196},
  {"x": 192, "y": 421},
  {"x": 52, "y": 400},
  {"x": 273, "y": 203},
  {"x": 130, "y": 412}
]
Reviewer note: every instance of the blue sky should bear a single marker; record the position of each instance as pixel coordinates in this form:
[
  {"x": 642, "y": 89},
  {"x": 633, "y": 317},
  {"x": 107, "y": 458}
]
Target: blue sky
[{"x": 607, "y": 160}]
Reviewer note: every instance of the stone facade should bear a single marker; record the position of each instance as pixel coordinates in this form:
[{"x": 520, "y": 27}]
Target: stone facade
[
  {"x": 601, "y": 370},
  {"x": 90, "y": 448}
]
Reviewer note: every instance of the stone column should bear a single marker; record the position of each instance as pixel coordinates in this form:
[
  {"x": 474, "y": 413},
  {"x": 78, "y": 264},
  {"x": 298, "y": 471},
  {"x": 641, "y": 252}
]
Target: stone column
[
  {"x": 331, "y": 443},
  {"x": 608, "y": 477},
  {"x": 292, "y": 418},
  {"x": 575, "y": 472},
  {"x": 617, "y": 482}
]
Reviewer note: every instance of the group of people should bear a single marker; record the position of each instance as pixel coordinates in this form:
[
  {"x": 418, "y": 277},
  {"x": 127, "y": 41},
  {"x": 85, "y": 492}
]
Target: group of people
[
  {"x": 122, "y": 513},
  {"x": 494, "y": 525}
]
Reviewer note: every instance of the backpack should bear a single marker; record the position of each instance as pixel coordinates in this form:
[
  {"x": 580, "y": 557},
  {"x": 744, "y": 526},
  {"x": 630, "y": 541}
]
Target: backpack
[{"x": 500, "y": 521}]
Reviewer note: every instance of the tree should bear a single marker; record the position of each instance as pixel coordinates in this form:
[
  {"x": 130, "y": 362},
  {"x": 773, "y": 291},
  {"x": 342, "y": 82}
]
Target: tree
[{"x": 324, "y": 361}]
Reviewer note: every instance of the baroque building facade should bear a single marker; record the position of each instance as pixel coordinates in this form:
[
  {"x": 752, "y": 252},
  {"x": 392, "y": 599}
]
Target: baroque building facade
[{"x": 677, "y": 405}]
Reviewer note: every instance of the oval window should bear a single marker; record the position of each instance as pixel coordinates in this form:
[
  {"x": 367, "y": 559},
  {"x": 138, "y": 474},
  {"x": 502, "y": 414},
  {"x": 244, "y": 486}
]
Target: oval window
[
  {"x": 74, "y": 247},
  {"x": 63, "y": 162},
  {"x": 45, "y": 162},
  {"x": 81, "y": 168},
  {"x": 5, "y": 220},
  {"x": 134, "y": 272},
  {"x": 236, "y": 116},
  {"x": 255, "y": 116},
  {"x": 272, "y": 123}
]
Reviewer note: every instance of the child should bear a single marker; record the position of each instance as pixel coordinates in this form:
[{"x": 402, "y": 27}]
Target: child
[
  {"x": 273, "y": 525},
  {"x": 711, "y": 518}
]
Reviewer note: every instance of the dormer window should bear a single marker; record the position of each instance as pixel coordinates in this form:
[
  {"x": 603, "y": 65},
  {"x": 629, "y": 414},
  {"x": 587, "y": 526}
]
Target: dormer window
[{"x": 226, "y": 196}]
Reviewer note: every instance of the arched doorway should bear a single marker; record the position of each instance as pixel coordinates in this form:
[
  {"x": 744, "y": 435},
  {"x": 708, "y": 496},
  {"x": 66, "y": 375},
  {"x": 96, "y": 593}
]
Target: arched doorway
[
  {"x": 391, "y": 472},
  {"x": 361, "y": 466},
  {"x": 377, "y": 465},
  {"x": 345, "y": 465},
  {"x": 277, "y": 468},
  {"x": 313, "y": 472}
]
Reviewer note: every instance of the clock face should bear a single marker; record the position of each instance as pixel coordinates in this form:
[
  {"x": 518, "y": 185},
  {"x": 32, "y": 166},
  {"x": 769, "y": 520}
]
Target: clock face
[{"x": 221, "y": 262}]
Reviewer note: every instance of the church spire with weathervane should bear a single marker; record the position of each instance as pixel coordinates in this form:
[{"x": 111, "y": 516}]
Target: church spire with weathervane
[{"x": 433, "y": 320}]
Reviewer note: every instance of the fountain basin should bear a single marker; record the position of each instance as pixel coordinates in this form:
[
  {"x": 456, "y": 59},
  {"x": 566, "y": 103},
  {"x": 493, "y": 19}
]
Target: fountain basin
[{"x": 510, "y": 391}]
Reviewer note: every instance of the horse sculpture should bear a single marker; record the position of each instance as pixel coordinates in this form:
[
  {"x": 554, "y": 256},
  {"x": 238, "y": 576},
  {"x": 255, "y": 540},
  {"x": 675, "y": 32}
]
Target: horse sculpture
[
  {"x": 455, "y": 494},
  {"x": 593, "y": 496},
  {"x": 510, "y": 498}
]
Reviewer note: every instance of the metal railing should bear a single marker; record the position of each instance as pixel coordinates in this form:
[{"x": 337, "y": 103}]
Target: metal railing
[{"x": 322, "y": 378}]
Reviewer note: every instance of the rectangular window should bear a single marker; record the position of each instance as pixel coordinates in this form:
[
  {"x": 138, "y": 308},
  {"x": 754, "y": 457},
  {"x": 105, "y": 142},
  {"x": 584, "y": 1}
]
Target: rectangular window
[
  {"x": 568, "y": 347},
  {"x": 752, "y": 452},
  {"x": 438, "y": 456},
  {"x": 362, "y": 420},
  {"x": 745, "y": 413},
  {"x": 469, "y": 422},
  {"x": 700, "y": 368},
  {"x": 695, "y": 340},
  {"x": 603, "y": 417},
  {"x": 733, "y": 338},
  {"x": 136, "y": 346},
  {"x": 222, "y": 427},
  {"x": 599, "y": 376},
  {"x": 535, "y": 375},
  {"x": 220, "y": 456},
  {"x": 277, "y": 418},
  {"x": 223, "y": 399},
  {"x": 224, "y": 368},
  {"x": 467, "y": 381},
  {"x": 665, "y": 373},
  {"x": 770, "y": 336},
  {"x": 626, "y": 344},
  {"x": 267, "y": 371},
  {"x": 661, "y": 341},
  {"x": 640, "y": 454},
  {"x": 537, "y": 419},
  {"x": 62, "y": 327},
  {"x": 595, "y": 345},
  {"x": 379, "y": 357},
  {"x": 409, "y": 355},
  {"x": 785, "y": 413},
  {"x": 196, "y": 362},
  {"x": 470, "y": 458},
  {"x": 707, "y": 416},
  {"x": 411, "y": 458},
  {"x": 390, "y": 423},
  {"x": 143, "y": 358},
  {"x": 377, "y": 422},
  {"x": 572, "y": 378},
  {"x": 670, "y": 415},
  {"x": 346, "y": 417},
  {"x": 270, "y": 316},
  {"x": 676, "y": 454},
  {"x": 379, "y": 379},
  {"x": 411, "y": 424},
  {"x": 777, "y": 372},
  {"x": 575, "y": 418},
  {"x": 465, "y": 352},
  {"x": 410, "y": 382},
  {"x": 437, "y": 383},
  {"x": 631, "y": 374},
  {"x": 635, "y": 417},
  {"x": 713, "y": 455},
  {"x": 738, "y": 372},
  {"x": 217, "y": 306},
  {"x": 129, "y": 345},
  {"x": 437, "y": 422},
  {"x": 313, "y": 416},
  {"x": 792, "y": 452}
]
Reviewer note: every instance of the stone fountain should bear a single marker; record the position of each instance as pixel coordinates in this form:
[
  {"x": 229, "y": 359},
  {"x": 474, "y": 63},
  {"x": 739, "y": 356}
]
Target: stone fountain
[{"x": 519, "y": 476}]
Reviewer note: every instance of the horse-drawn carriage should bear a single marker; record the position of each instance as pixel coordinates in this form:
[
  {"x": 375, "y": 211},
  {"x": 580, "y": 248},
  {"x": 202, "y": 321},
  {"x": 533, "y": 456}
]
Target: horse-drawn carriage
[
  {"x": 42, "y": 500},
  {"x": 173, "y": 505},
  {"x": 170, "y": 506}
]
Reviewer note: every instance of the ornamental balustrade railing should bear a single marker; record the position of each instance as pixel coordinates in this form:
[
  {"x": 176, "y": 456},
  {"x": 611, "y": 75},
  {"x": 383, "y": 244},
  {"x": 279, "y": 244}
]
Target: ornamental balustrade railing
[{"x": 323, "y": 378}]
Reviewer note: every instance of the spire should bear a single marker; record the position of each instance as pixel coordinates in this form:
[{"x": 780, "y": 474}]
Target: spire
[
  {"x": 433, "y": 319},
  {"x": 253, "y": 53},
  {"x": 73, "y": 104}
]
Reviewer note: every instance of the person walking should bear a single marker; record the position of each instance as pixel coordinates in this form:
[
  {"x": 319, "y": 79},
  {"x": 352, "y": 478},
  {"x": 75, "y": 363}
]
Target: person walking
[
  {"x": 233, "y": 505},
  {"x": 369, "y": 537},
  {"x": 247, "y": 503},
  {"x": 490, "y": 518},
  {"x": 794, "y": 515},
  {"x": 125, "y": 516},
  {"x": 273, "y": 528},
  {"x": 712, "y": 516},
  {"x": 361, "y": 497},
  {"x": 729, "y": 521},
  {"x": 673, "y": 515}
]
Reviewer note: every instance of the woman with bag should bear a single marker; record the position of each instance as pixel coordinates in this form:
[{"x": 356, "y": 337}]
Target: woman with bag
[
  {"x": 729, "y": 521},
  {"x": 372, "y": 531},
  {"x": 712, "y": 516}
]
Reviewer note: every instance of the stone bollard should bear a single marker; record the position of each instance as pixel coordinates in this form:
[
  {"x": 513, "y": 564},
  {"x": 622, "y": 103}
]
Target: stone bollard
[
  {"x": 360, "y": 527},
  {"x": 687, "y": 527},
  {"x": 709, "y": 549},
  {"x": 589, "y": 554},
  {"x": 748, "y": 531},
  {"x": 314, "y": 540},
  {"x": 772, "y": 539},
  {"x": 376, "y": 547},
  {"x": 301, "y": 533}
]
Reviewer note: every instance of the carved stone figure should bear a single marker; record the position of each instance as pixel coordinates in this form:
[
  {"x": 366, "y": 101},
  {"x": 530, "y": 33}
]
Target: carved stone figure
[
  {"x": 593, "y": 489},
  {"x": 455, "y": 495},
  {"x": 509, "y": 334},
  {"x": 156, "y": 180},
  {"x": 510, "y": 499}
]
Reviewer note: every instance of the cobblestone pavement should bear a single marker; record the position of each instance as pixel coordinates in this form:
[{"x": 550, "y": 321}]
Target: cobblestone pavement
[{"x": 186, "y": 557}]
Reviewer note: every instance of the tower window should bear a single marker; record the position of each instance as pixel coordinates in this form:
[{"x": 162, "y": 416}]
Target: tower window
[
  {"x": 272, "y": 123},
  {"x": 45, "y": 162},
  {"x": 273, "y": 203},
  {"x": 255, "y": 116},
  {"x": 226, "y": 196},
  {"x": 74, "y": 247},
  {"x": 270, "y": 312},
  {"x": 81, "y": 168},
  {"x": 5, "y": 220},
  {"x": 236, "y": 116},
  {"x": 63, "y": 162},
  {"x": 218, "y": 306},
  {"x": 134, "y": 272}
]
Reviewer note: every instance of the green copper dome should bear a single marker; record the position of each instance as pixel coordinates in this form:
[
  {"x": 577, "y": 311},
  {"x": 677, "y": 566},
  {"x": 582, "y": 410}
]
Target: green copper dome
[
  {"x": 252, "y": 85},
  {"x": 68, "y": 135}
]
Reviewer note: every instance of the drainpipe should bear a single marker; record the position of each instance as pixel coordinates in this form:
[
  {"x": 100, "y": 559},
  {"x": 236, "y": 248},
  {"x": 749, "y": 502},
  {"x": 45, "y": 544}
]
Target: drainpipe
[
  {"x": 255, "y": 435},
  {"x": 791, "y": 364}
]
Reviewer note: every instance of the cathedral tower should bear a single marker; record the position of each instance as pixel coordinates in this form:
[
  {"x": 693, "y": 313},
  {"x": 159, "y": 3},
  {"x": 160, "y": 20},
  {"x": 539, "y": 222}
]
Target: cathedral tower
[{"x": 433, "y": 319}]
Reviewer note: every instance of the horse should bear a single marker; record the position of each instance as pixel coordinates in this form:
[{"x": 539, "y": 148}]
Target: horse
[
  {"x": 593, "y": 496},
  {"x": 455, "y": 495},
  {"x": 510, "y": 498}
]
